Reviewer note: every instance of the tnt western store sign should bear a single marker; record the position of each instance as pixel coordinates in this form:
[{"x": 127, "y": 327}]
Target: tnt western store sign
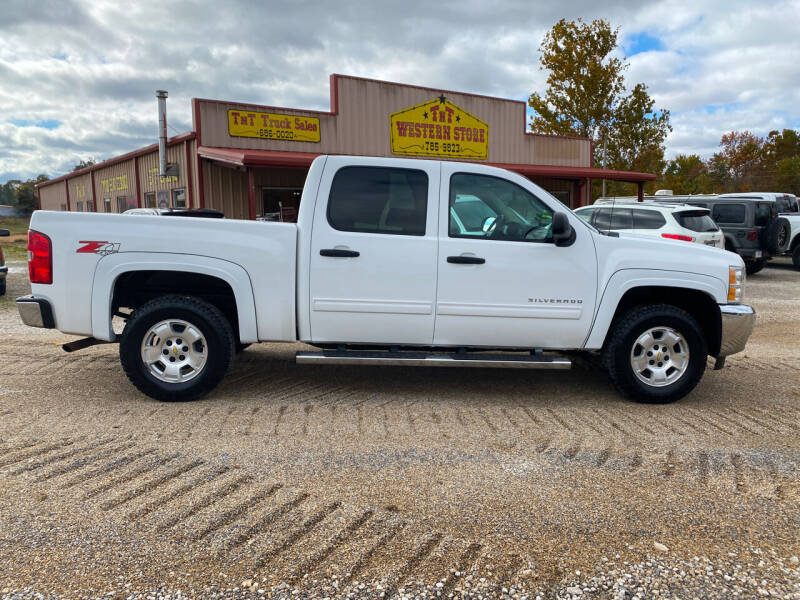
[{"x": 438, "y": 128}]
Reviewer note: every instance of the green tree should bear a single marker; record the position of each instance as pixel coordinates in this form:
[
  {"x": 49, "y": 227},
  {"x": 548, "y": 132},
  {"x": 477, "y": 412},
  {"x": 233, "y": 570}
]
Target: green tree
[
  {"x": 585, "y": 96},
  {"x": 584, "y": 80},
  {"x": 7, "y": 191},
  {"x": 787, "y": 175},
  {"x": 25, "y": 194},
  {"x": 687, "y": 174},
  {"x": 635, "y": 142},
  {"x": 781, "y": 145}
]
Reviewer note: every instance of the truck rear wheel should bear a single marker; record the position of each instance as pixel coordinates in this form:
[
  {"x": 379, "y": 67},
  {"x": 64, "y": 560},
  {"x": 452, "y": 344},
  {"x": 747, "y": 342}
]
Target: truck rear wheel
[
  {"x": 176, "y": 348},
  {"x": 796, "y": 257},
  {"x": 655, "y": 354}
]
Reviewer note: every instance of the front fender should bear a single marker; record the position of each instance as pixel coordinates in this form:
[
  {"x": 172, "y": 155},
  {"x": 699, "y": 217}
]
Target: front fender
[
  {"x": 627, "y": 279},
  {"x": 110, "y": 267}
]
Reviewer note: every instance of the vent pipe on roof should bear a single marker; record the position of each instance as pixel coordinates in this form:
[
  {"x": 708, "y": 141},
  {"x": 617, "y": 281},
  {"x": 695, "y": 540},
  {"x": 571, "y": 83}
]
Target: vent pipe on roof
[{"x": 162, "y": 132}]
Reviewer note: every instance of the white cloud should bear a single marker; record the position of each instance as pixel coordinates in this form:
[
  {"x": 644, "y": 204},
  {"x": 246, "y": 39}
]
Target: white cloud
[{"x": 94, "y": 65}]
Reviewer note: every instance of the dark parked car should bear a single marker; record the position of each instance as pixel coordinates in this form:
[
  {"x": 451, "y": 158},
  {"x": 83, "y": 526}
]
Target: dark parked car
[{"x": 3, "y": 267}]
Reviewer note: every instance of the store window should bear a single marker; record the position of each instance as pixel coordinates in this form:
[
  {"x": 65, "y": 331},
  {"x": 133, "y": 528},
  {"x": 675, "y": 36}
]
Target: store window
[
  {"x": 280, "y": 203},
  {"x": 150, "y": 200},
  {"x": 79, "y": 207},
  {"x": 64, "y": 207},
  {"x": 379, "y": 200},
  {"x": 179, "y": 198},
  {"x": 107, "y": 204},
  {"x": 125, "y": 203},
  {"x": 89, "y": 206}
]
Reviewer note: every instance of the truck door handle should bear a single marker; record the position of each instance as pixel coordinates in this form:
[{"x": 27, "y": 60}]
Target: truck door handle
[
  {"x": 466, "y": 260},
  {"x": 339, "y": 253}
]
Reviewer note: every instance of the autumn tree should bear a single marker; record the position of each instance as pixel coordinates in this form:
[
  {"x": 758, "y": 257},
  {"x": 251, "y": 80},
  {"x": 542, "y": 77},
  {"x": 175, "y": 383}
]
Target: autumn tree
[
  {"x": 687, "y": 174},
  {"x": 738, "y": 166},
  {"x": 586, "y": 96}
]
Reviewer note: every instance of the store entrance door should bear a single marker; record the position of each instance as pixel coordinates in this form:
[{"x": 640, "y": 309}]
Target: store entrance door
[{"x": 280, "y": 203}]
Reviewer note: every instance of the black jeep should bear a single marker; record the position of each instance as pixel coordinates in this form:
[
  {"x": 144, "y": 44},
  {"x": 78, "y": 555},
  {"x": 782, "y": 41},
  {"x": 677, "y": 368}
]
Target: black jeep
[{"x": 751, "y": 226}]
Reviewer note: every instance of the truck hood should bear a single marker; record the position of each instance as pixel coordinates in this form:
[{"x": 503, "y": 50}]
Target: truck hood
[{"x": 645, "y": 252}]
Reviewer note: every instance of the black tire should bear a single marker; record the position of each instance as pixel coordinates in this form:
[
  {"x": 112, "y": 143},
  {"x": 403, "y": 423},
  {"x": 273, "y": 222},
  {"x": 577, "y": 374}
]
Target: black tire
[
  {"x": 754, "y": 266},
  {"x": 620, "y": 345},
  {"x": 776, "y": 235},
  {"x": 3, "y": 286},
  {"x": 219, "y": 346},
  {"x": 796, "y": 257},
  {"x": 240, "y": 347}
]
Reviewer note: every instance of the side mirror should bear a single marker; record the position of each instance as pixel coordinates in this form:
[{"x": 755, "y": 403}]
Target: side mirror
[
  {"x": 563, "y": 233},
  {"x": 4, "y": 233},
  {"x": 488, "y": 222}
]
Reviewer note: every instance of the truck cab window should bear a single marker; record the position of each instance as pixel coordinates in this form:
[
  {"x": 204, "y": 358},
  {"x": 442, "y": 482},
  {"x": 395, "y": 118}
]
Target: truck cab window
[
  {"x": 490, "y": 208},
  {"x": 379, "y": 200}
]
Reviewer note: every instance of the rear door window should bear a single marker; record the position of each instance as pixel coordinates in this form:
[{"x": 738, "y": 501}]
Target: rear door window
[
  {"x": 613, "y": 218},
  {"x": 648, "y": 219},
  {"x": 379, "y": 200},
  {"x": 696, "y": 220},
  {"x": 729, "y": 213}
]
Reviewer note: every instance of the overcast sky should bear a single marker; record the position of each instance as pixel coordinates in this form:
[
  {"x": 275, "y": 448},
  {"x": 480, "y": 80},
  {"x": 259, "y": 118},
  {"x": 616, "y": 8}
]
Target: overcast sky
[{"x": 77, "y": 79}]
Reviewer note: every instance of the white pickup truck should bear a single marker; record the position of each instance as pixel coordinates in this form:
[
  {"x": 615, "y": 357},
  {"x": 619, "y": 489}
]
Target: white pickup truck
[{"x": 391, "y": 262}]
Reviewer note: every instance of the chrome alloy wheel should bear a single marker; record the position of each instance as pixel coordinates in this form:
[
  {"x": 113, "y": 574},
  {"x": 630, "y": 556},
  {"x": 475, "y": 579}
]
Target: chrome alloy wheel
[
  {"x": 174, "y": 351},
  {"x": 660, "y": 356}
]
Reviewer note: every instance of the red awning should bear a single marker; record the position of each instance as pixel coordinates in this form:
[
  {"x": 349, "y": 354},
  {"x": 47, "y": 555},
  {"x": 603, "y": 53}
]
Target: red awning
[
  {"x": 276, "y": 158},
  {"x": 257, "y": 158}
]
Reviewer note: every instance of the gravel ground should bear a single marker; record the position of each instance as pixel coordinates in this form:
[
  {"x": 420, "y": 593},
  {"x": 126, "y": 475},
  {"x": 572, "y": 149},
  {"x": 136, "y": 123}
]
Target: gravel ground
[{"x": 306, "y": 481}]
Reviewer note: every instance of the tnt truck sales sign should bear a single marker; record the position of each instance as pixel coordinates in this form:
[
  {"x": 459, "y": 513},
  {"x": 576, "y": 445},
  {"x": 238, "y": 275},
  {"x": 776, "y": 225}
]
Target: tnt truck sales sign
[
  {"x": 438, "y": 128},
  {"x": 273, "y": 126}
]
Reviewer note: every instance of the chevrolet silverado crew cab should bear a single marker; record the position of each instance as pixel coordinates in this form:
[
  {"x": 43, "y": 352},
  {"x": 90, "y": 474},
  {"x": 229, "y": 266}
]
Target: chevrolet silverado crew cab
[{"x": 391, "y": 262}]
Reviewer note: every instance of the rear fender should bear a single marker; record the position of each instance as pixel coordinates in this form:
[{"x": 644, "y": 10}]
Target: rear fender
[{"x": 110, "y": 267}]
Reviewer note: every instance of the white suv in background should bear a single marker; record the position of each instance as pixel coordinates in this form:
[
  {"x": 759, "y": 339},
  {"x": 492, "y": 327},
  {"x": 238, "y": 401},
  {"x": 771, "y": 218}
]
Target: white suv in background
[{"x": 680, "y": 222}]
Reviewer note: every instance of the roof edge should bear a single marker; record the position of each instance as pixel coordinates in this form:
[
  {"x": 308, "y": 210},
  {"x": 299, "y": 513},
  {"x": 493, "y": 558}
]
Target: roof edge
[{"x": 182, "y": 137}]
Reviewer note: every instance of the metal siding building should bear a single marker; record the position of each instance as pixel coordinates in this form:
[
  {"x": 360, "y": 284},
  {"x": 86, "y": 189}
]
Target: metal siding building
[{"x": 250, "y": 161}]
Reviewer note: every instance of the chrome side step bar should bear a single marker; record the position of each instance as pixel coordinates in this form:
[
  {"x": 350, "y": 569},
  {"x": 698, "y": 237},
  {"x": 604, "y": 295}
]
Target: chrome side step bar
[{"x": 425, "y": 359}]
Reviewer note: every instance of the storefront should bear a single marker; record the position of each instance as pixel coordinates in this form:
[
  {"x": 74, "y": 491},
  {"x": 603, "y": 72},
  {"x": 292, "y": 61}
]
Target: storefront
[{"x": 250, "y": 161}]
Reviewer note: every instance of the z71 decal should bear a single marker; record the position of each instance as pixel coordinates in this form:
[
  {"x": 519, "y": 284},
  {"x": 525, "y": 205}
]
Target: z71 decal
[{"x": 101, "y": 248}]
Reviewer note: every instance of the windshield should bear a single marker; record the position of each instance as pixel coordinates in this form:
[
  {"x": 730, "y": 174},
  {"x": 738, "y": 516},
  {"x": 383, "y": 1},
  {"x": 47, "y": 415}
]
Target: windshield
[
  {"x": 584, "y": 215},
  {"x": 696, "y": 220}
]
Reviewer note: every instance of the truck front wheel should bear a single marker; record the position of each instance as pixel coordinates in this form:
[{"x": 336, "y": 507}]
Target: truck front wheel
[
  {"x": 176, "y": 348},
  {"x": 655, "y": 354}
]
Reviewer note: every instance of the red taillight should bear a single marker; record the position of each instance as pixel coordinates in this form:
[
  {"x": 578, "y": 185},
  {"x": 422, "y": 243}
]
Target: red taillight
[
  {"x": 752, "y": 235},
  {"x": 675, "y": 236},
  {"x": 40, "y": 257}
]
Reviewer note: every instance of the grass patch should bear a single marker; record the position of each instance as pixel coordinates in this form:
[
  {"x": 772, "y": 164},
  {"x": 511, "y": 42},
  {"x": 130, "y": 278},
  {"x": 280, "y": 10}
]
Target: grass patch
[
  {"x": 15, "y": 224},
  {"x": 14, "y": 250}
]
